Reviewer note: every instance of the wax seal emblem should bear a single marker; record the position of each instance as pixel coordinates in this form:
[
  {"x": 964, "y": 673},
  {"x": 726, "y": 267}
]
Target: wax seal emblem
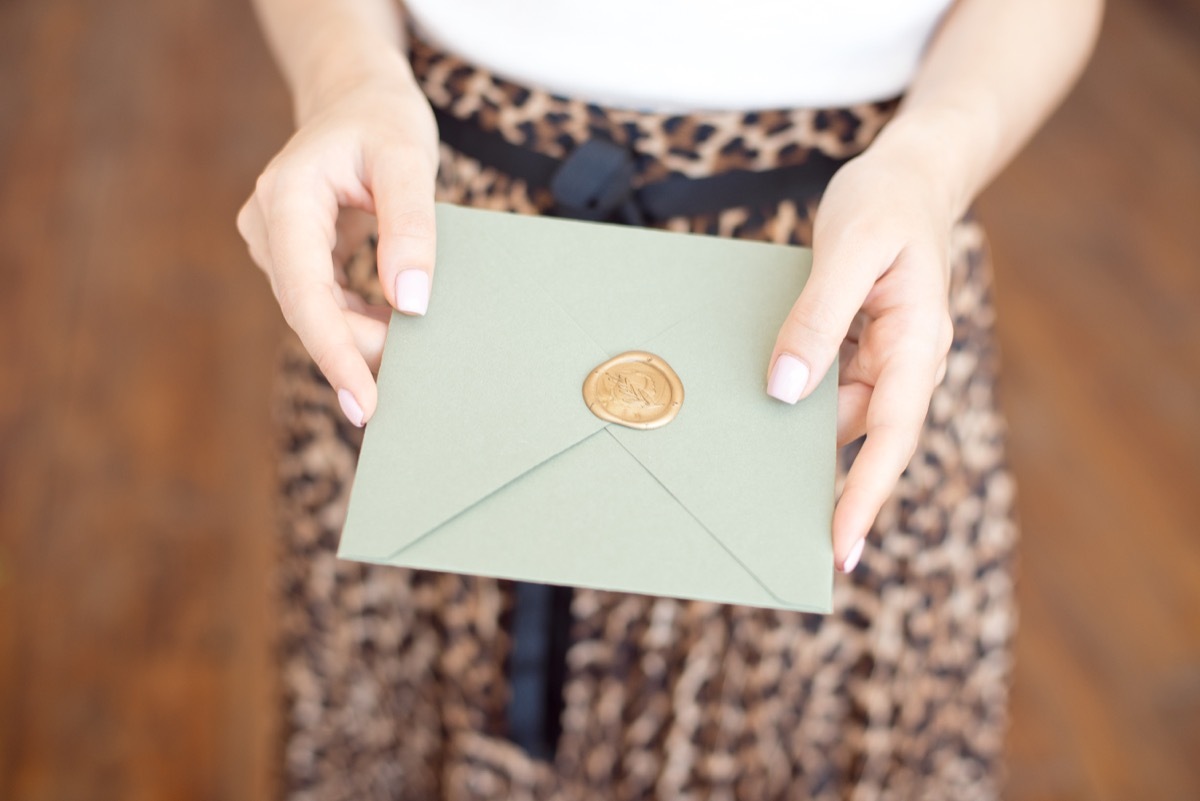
[{"x": 635, "y": 389}]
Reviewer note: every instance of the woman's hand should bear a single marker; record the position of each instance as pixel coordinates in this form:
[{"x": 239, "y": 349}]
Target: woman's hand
[
  {"x": 878, "y": 297},
  {"x": 992, "y": 73},
  {"x": 372, "y": 146}
]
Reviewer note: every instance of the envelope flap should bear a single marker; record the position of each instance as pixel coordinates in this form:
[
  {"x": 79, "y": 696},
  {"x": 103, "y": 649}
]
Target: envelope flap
[
  {"x": 470, "y": 397},
  {"x": 759, "y": 474}
]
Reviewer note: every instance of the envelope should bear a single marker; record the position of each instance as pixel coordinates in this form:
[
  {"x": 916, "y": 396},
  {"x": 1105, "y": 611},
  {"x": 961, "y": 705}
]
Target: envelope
[{"x": 484, "y": 458}]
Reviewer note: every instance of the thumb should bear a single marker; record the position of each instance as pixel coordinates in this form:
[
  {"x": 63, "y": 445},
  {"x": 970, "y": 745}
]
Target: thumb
[
  {"x": 403, "y": 189},
  {"x": 812, "y": 334}
]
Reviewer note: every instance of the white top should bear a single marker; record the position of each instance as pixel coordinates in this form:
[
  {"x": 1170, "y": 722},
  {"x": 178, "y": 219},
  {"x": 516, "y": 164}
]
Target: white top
[{"x": 680, "y": 55}]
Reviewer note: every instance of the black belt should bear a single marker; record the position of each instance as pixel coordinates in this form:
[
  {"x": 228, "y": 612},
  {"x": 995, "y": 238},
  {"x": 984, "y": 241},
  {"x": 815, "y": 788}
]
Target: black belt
[{"x": 596, "y": 179}]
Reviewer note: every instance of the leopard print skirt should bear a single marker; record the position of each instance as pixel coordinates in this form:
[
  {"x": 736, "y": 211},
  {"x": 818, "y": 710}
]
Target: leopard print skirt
[{"x": 394, "y": 680}]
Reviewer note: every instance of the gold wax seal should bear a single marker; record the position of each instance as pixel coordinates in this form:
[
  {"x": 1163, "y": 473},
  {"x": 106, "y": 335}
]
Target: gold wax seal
[{"x": 635, "y": 389}]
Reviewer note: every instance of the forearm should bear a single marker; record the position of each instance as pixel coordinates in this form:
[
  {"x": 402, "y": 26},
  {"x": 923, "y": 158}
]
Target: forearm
[
  {"x": 326, "y": 46},
  {"x": 994, "y": 72}
]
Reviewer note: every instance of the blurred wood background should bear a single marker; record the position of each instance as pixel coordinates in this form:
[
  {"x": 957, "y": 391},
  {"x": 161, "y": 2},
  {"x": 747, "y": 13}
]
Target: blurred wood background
[{"x": 135, "y": 465}]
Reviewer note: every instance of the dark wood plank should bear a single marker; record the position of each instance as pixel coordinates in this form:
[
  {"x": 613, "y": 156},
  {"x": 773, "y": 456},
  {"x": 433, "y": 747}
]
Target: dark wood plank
[
  {"x": 1096, "y": 243},
  {"x": 135, "y": 467}
]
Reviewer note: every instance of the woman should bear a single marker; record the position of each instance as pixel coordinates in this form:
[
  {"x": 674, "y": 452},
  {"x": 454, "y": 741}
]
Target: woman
[{"x": 400, "y": 684}]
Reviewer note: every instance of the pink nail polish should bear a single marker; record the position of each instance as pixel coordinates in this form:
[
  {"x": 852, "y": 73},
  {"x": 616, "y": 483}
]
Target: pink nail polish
[
  {"x": 788, "y": 378},
  {"x": 855, "y": 554},
  {"x": 412, "y": 291},
  {"x": 350, "y": 407}
]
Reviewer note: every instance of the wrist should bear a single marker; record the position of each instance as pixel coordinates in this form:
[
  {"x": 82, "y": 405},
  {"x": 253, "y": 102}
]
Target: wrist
[
  {"x": 339, "y": 67},
  {"x": 942, "y": 147}
]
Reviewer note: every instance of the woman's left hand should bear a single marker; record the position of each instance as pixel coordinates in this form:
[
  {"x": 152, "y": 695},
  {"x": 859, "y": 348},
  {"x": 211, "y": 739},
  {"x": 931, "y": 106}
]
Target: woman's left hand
[{"x": 878, "y": 297}]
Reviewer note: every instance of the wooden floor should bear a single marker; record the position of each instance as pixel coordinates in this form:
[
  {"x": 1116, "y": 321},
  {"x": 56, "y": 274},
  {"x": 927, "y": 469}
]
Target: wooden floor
[{"x": 135, "y": 468}]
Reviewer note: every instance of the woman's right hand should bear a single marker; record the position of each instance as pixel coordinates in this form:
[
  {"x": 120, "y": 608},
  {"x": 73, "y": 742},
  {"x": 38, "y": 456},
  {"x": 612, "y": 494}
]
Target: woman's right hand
[{"x": 374, "y": 147}]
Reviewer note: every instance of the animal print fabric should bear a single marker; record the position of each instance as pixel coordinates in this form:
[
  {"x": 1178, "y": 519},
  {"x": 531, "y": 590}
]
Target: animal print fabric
[{"x": 394, "y": 682}]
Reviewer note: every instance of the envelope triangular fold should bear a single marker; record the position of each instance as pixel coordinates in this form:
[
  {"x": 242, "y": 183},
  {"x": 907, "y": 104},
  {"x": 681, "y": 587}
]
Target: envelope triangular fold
[{"x": 593, "y": 517}]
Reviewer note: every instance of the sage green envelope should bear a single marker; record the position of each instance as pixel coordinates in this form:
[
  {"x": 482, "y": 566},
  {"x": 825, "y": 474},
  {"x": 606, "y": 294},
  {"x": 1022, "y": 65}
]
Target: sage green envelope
[{"x": 483, "y": 458}]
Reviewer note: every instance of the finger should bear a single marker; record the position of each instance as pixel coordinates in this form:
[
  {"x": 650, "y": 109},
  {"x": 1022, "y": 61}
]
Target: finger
[
  {"x": 376, "y": 311},
  {"x": 368, "y": 323},
  {"x": 369, "y": 335},
  {"x": 895, "y": 416},
  {"x": 300, "y": 234},
  {"x": 853, "y": 400},
  {"x": 857, "y": 326},
  {"x": 842, "y": 274},
  {"x": 253, "y": 229},
  {"x": 354, "y": 227},
  {"x": 855, "y": 384},
  {"x": 402, "y": 184}
]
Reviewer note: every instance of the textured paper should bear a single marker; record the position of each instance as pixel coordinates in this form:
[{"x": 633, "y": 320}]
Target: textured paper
[{"x": 483, "y": 458}]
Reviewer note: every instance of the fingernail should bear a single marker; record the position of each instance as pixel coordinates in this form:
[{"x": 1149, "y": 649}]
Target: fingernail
[
  {"x": 412, "y": 291},
  {"x": 350, "y": 407},
  {"x": 788, "y": 378},
  {"x": 855, "y": 554}
]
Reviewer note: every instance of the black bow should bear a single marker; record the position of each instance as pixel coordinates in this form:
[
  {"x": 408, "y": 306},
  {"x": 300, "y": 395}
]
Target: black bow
[{"x": 595, "y": 182}]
